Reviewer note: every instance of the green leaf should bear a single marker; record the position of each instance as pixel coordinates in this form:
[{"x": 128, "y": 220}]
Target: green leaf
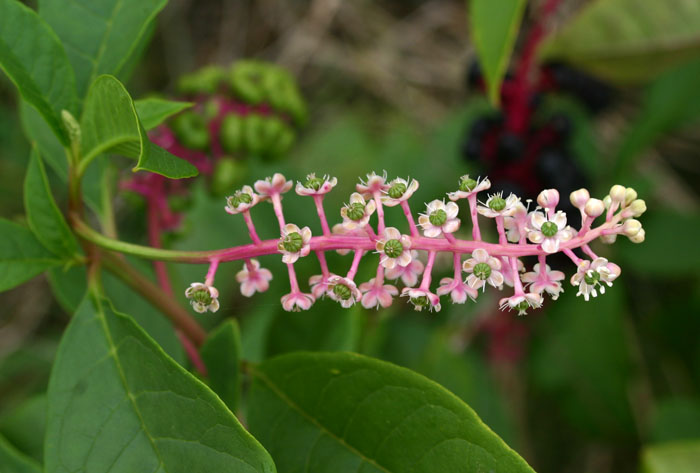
[
  {"x": 323, "y": 412},
  {"x": 100, "y": 35},
  {"x": 221, "y": 354},
  {"x": 110, "y": 124},
  {"x": 12, "y": 461},
  {"x": 677, "y": 457},
  {"x": 25, "y": 426},
  {"x": 68, "y": 286},
  {"x": 117, "y": 402},
  {"x": 494, "y": 27},
  {"x": 154, "y": 111},
  {"x": 21, "y": 255},
  {"x": 43, "y": 215},
  {"x": 621, "y": 39},
  {"x": 32, "y": 57}
]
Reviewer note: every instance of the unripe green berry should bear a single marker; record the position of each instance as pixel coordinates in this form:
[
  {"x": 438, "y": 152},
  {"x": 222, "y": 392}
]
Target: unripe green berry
[
  {"x": 482, "y": 271},
  {"x": 467, "y": 184},
  {"x": 342, "y": 291},
  {"x": 419, "y": 301},
  {"x": 522, "y": 306},
  {"x": 293, "y": 242},
  {"x": 592, "y": 278},
  {"x": 202, "y": 296},
  {"x": 549, "y": 229},
  {"x": 438, "y": 218},
  {"x": 239, "y": 198},
  {"x": 497, "y": 203},
  {"x": 314, "y": 183},
  {"x": 393, "y": 248},
  {"x": 397, "y": 190},
  {"x": 356, "y": 211}
]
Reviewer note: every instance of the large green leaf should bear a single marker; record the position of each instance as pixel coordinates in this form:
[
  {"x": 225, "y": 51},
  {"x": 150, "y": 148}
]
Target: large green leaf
[
  {"x": 110, "y": 124},
  {"x": 494, "y": 28},
  {"x": 12, "y": 461},
  {"x": 99, "y": 35},
  {"x": 320, "y": 412},
  {"x": 629, "y": 40},
  {"x": 33, "y": 58},
  {"x": 677, "y": 457},
  {"x": 118, "y": 403},
  {"x": 221, "y": 354},
  {"x": 154, "y": 111},
  {"x": 43, "y": 215},
  {"x": 21, "y": 255}
]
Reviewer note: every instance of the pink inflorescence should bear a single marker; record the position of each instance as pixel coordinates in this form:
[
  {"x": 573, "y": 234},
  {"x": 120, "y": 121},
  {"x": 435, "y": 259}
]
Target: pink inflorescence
[{"x": 478, "y": 265}]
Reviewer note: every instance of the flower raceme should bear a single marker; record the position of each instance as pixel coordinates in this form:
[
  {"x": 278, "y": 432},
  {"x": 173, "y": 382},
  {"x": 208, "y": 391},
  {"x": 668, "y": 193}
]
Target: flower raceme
[{"x": 478, "y": 265}]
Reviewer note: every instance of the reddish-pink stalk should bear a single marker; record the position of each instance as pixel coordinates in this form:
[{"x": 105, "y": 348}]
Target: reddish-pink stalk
[
  {"x": 355, "y": 264},
  {"x": 409, "y": 218},
  {"x": 318, "y": 201},
  {"x": 476, "y": 233},
  {"x": 251, "y": 227},
  {"x": 380, "y": 211},
  {"x": 427, "y": 273}
]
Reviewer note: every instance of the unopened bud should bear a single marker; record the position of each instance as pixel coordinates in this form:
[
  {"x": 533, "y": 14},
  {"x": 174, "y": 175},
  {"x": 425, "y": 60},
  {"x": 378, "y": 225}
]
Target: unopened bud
[
  {"x": 639, "y": 237},
  {"x": 579, "y": 198},
  {"x": 630, "y": 196},
  {"x": 617, "y": 193},
  {"x": 548, "y": 198},
  {"x": 637, "y": 207},
  {"x": 631, "y": 227},
  {"x": 594, "y": 208},
  {"x": 608, "y": 239}
]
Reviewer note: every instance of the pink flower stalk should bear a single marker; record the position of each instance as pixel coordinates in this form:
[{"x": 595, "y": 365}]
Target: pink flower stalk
[{"x": 488, "y": 264}]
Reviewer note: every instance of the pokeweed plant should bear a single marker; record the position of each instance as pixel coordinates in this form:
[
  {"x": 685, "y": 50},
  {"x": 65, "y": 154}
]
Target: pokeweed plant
[{"x": 118, "y": 402}]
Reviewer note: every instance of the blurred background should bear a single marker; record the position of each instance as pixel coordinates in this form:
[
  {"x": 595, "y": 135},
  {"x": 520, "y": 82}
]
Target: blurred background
[{"x": 396, "y": 85}]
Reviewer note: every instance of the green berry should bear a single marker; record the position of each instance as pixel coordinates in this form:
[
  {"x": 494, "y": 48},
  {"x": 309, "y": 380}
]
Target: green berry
[
  {"x": 438, "y": 218},
  {"x": 397, "y": 190},
  {"x": 356, "y": 211},
  {"x": 467, "y": 184},
  {"x": 314, "y": 183},
  {"x": 497, "y": 203},
  {"x": 393, "y": 248},
  {"x": 293, "y": 242},
  {"x": 592, "y": 278},
  {"x": 420, "y": 301},
  {"x": 202, "y": 296},
  {"x": 342, "y": 291},
  {"x": 549, "y": 229},
  {"x": 522, "y": 306},
  {"x": 482, "y": 271},
  {"x": 239, "y": 198}
]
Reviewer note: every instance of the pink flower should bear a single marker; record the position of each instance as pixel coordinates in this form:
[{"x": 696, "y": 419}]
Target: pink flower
[
  {"x": 516, "y": 224},
  {"x": 319, "y": 284},
  {"x": 457, "y": 289},
  {"x": 439, "y": 218},
  {"x": 409, "y": 273},
  {"x": 271, "y": 186},
  {"x": 547, "y": 282},
  {"x": 294, "y": 243},
  {"x": 241, "y": 200},
  {"x": 394, "y": 248},
  {"x": 483, "y": 269},
  {"x": 398, "y": 191},
  {"x": 422, "y": 298},
  {"x": 356, "y": 214},
  {"x": 497, "y": 206},
  {"x": 591, "y": 275},
  {"x": 521, "y": 302},
  {"x": 316, "y": 185},
  {"x": 469, "y": 187},
  {"x": 374, "y": 183},
  {"x": 203, "y": 297},
  {"x": 344, "y": 291},
  {"x": 375, "y": 295},
  {"x": 253, "y": 278},
  {"x": 297, "y": 301},
  {"x": 548, "y": 199},
  {"x": 549, "y": 232}
]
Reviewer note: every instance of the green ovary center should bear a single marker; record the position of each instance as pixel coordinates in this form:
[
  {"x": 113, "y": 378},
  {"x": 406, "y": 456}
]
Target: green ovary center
[
  {"x": 592, "y": 278},
  {"x": 293, "y": 242},
  {"x": 393, "y": 248},
  {"x": 419, "y": 301},
  {"x": 438, "y": 218},
  {"x": 202, "y": 297},
  {"x": 397, "y": 190},
  {"x": 549, "y": 229},
  {"x": 482, "y": 271},
  {"x": 241, "y": 198},
  {"x": 342, "y": 291},
  {"x": 314, "y": 183},
  {"x": 467, "y": 184},
  {"x": 497, "y": 204},
  {"x": 356, "y": 211},
  {"x": 522, "y": 306}
]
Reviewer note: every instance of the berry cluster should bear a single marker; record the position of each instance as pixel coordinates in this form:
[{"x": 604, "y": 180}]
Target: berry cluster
[{"x": 486, "y": 264}]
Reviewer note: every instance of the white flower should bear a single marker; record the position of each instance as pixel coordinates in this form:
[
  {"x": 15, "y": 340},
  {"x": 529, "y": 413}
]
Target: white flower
[
  {"x": 439, "y": 218},
  {"x": 203, "y": 297},
  {"x": 409, "y": 273},
  {"x": 277, "y": 184},
  {"x": 516, "y": 223},
  {"x": 547, "y": 282},
  {"x": 356, "y": 214},
  {"x": 484, "y": 269},
  {"x": 316, "y": 185},
  {"x": 395, "y": 249},
  {"x": 253, "y": 278},
  {"x": 294, "y": 243},
  {"x": 297, "y": 301},
  {"x": 344, "y": 290},
  {"x": 398, "y": 191},
  {"x": 375, "y": 295},
  {"x": 549, "y": 232},
  {"x": 374, "y": 183},
  {"x": 469, "y": 187},
  {"x": 591, "y": 275},
  {"x": 497, "y": 206},
  {"x": 421, "y": 298},
  {"x": 241, "y": 200},
  {"x": 521, "y": 302}
]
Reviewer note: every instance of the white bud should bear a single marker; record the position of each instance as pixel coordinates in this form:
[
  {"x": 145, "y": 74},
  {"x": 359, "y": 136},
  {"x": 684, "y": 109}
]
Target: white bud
[
  {"x": 594, "y": 208},
  {"x": 630, "y": 196},
  {"x": 631, "y": 227},
  {"x": 579, "y": 198},
  {"x": 548, "y": 198},
  {"x": 607, "y": 201},
  {"x": 608, "y": 239},
  {"x": 639, "y": 237},
  {"x": 617, "y": 193},
  {"x": 637, "y": 207}
]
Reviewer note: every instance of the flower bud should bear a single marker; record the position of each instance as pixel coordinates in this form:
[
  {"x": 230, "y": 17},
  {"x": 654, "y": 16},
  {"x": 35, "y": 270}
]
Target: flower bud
[
  {"x": 637, "y": 207},
  {"x": 631, "y": 227},
  {"x": 579, "y": 198},
  {"x": 548, "y": 198},
  {"x": 609, "y": 239},
  {"x": 617, "y": 193},
  {"x": 594, "y": 208},
  {"x": 607, "y": 201},
  {"x": 639, "y": 237},
  {"x": 630, "y": 196}
]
